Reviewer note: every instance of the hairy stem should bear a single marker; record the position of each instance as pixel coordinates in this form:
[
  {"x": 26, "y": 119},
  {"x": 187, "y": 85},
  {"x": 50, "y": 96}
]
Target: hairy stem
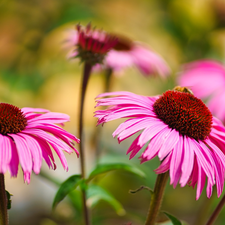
[
  {"x": 86, "y": 75},
  {"x": 3, "y": 202},
  {"x": 156, "y": 198}
]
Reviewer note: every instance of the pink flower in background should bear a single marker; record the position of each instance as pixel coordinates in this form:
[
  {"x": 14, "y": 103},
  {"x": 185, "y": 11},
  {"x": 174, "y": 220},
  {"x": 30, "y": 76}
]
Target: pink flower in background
[
  {"x": 122, "y": 54},
  {"x": 28, "y": 135},
  {"x": 127, "y": 53},
  {"x": 91, "y": 44},
  {"x": 206, "y": 78},
  {"x": 178, "y": 128}
]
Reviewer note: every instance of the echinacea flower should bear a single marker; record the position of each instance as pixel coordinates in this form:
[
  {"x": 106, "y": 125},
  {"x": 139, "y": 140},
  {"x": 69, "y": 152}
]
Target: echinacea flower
[
  {"x": 121, "y": 53},
  {"x": 29, "y": 135},
  {"x": 206, "y": 78},
  {"x": 178, "y": 128},
  {"x": 127, "y": 53},
  {"x": 92, "y": 44}
]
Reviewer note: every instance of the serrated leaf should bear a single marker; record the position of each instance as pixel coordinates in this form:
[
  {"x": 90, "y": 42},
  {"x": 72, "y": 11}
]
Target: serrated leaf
[
  {"x": 104, "y": 168},
  {"x": 173, "y": 219},
  {"x": 96, "y": 193},
  {"x": 66, "y": 187}
]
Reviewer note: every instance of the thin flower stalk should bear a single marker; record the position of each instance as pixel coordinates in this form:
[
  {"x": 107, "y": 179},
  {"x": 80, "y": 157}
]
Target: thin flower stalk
[
  {"x": 216, "y": 212},
  {"x": 86, "y": 75},
  {"x": 91, "y": 47},
  {"x": 156, "y": 198},
  {"x": 3, "y": 202}
]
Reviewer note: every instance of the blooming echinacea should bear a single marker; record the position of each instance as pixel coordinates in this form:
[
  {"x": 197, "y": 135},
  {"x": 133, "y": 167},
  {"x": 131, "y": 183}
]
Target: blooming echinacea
[
  {"x": 29, "y": 135},
  {"x": 127, "y": 53},
  {"x": 121, "y": 52},
  {"x": 206, "y": 78},
  {"x": 92, "y": 44},
  {"x": 178, "y": 128}
]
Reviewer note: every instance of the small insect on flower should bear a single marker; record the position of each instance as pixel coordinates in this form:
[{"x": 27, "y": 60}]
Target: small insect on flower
[
  {"x": 178, "y": 128},
  {"x": 28, "y": 135}
]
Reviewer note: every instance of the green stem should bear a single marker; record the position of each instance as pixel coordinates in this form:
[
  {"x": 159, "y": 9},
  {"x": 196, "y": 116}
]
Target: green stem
[
  {"x": 3, "y": 202},
  {"x": 204, "y": 210},
  {"x": 156, "y": 198},
  {"x": 108, "y": 76},
  {"x": 86, "y": 75},
  {"x": 216, "y": 211},
  {"x": 97, "y": 133}
]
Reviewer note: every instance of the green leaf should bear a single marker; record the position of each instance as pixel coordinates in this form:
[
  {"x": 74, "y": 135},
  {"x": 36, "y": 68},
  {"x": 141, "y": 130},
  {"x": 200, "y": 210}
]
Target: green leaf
[
  {"x": 9, "y": 202},
  {"x": 96, "y": 193},
  {"x": 66, "y": 187},
  {"x": 104, "y": 168},
  {"x": 173, "y": 219}
]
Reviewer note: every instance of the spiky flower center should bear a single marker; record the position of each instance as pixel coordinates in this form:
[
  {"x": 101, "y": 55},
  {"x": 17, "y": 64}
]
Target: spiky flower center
[
  {"x": 12, "y": 119},
  {"x": 123, "y": 44},
  {"x": 185, "y": 113},
  {"x": 93, "y": 44}
]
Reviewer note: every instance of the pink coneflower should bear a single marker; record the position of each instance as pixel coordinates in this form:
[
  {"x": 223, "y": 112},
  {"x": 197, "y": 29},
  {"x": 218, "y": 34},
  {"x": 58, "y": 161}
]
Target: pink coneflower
[
  {"x": 28, "y": 135},
  {"x": 127, "y": 53},
  {"x": 123, "y": 53},
  {"x": 206, "y": 78},
  {"x": 91, "y": 44},
  {"x": 178, "y": 128}
]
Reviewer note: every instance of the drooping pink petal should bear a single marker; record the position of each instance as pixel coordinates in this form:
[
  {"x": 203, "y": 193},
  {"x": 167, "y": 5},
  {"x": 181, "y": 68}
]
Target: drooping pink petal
[
  {"x": 35, "y": 150},
  {"x": 201, "y": 181},
  {"x": 188, "y": 162},
  {"x": 5, "y": 153},
  {"x": 165, "y": 165},
  {"x": 14, "y": 162},
  {"x": 155, "y": 144},
  {"x": 168, "y": 143},
  {"x": 24, "y": 156},
  {"x": 175, "y": 164}
]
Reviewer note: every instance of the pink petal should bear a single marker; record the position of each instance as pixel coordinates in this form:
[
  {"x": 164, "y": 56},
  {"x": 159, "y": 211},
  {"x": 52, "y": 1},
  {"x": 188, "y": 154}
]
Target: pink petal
[
  {"x": 188, "y": 162},
  {"x": 35, "y": 150},
  {"x": 168, "y": 143},
  {"x": 24, "y": 156},
  {"x": 176, "y": 161}
]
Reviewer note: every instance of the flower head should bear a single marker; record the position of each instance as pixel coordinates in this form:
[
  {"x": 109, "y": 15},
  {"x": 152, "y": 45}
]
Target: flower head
[
  {"x": 27, "y": 136},
  {"x": 121, "y": 52},
  {"x": 92, "y": 45},
  {"x": 128, "y": 53},
  {"x": 178, "y": 128},
  {"x": 207, "y": 80}
]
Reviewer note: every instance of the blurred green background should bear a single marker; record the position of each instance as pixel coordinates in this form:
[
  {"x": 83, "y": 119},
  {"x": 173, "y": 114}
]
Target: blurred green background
[{"x": 35, "y": 72}]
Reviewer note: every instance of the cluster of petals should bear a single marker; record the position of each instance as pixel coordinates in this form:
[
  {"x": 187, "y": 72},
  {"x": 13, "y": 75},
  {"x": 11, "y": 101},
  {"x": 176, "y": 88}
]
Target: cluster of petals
[
  {"x": 35, "y": 143},
  {"x": 134, "y": 54},
  {"x": 147, "y": 61},
  {"x": 206, "y": 78},
  {"x": 189, "y": 161},
  {"x": 93, "y": 40}
]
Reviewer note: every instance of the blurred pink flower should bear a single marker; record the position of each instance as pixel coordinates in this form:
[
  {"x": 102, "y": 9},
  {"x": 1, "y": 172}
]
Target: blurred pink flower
[
  {"x": 178, "y": 128},
  {"x": 128, "y": 53},
  {"x": 91, "y": 44},
  {"x": 26, "y": 137},
  {"x": 206, "y": 78},
  {"x": 125, "y": 53}
]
